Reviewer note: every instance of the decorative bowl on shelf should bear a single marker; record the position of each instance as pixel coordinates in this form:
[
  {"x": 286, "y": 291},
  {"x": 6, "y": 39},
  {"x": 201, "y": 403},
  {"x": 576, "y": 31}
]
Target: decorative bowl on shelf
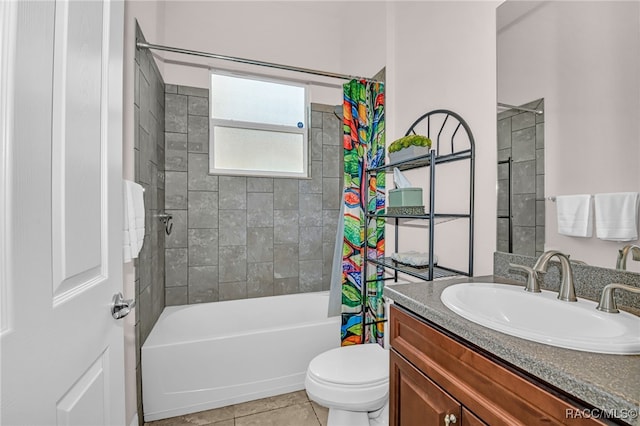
[
  {"x": 409, "y": 147},
  {"x": 408, "y": 153}
]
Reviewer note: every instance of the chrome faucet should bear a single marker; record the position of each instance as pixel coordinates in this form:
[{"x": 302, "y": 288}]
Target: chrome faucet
[
  {"x": 567, "y": 287},
  {"x": 621, "y": 262},
  {"x": 607, "y": 302}
]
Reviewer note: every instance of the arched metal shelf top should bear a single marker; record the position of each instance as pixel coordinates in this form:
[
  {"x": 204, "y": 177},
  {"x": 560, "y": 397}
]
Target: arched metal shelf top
[
  {"x": 447, "y": 113},
  {"x": 456, "y": 152}
]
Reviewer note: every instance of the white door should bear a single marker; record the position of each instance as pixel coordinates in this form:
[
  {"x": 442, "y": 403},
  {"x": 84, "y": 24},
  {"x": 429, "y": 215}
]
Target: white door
[{"x": 61, "y": 212}]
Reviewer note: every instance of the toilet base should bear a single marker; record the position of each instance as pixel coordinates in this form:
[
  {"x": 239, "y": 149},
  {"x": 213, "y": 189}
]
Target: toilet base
[
  {"x": 380, "y": 417},
  {"x": 339, "y": 417}
]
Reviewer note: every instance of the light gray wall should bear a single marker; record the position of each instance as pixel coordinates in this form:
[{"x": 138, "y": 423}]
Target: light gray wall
[
  {"x": 149, "y": 172},
  {"x": 243, "y": 237}
]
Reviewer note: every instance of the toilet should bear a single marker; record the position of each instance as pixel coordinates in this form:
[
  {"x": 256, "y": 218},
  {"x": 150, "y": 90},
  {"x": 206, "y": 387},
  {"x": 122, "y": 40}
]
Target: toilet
[{"x": 353, "y": 382}]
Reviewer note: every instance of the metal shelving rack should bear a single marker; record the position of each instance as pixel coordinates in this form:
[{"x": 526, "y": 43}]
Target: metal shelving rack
[{"x": 459, "y": 134}]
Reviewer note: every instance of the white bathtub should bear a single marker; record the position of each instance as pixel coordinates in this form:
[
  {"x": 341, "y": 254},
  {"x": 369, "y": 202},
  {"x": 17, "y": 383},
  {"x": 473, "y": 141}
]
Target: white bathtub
[{"x": 210, "y": 355}]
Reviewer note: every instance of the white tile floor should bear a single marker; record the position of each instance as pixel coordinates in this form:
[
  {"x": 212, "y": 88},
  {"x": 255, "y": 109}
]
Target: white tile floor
[{"x": 291, "y": 409}]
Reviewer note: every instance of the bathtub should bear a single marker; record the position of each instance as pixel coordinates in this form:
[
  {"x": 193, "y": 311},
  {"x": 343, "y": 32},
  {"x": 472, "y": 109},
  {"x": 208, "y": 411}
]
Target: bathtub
[{"x": 209, "y": 355}]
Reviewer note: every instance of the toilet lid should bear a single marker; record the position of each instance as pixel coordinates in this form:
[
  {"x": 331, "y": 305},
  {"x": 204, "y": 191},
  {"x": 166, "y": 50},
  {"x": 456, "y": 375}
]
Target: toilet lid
[{"x": 352, "y": 365}]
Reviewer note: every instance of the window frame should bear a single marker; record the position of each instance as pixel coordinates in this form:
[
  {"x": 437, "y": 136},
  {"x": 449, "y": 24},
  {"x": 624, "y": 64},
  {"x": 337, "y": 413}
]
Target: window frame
[{"x": 249, "y": 125}]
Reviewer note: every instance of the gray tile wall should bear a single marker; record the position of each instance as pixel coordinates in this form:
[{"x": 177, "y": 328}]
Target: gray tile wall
[
  {"x": 243, "y": 237},
  {"x": 149, "y": 154},
  {"x": 521, "y": 139}
]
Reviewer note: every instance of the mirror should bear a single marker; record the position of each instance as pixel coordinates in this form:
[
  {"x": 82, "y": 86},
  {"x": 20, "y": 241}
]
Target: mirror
[
  {"x": 521, "y": 202},
  {"x": 579, "y": 62}
]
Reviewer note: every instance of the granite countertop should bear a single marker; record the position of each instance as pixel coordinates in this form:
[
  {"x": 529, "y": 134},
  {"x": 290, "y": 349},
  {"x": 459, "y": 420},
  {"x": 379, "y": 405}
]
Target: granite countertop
[{"x": 608, "y": 382}]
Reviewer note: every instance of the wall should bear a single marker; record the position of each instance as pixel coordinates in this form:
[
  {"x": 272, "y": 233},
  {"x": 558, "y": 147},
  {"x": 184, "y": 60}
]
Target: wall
[
  {"x": 243, "y": 237},
  {"x": 319, "y": 35},
  {"x": 443, "y": 56},
  {"x": 148, "y": 14},
  {"x": 579, "y": 60},
  {"x": 149, "y": 153},
  {"x": 302, "y": 34}
]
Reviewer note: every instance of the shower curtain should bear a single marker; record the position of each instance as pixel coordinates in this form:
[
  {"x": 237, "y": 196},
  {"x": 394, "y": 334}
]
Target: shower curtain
[{"x": 364, "y": 147}]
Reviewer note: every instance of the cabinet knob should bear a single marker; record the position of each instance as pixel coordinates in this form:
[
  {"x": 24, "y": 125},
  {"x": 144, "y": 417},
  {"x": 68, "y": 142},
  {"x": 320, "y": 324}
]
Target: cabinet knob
[{"x": 450, "y": 419}]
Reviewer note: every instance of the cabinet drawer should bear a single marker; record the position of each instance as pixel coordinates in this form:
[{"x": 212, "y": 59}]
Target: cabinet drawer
[{"x": 494, "y": 393}]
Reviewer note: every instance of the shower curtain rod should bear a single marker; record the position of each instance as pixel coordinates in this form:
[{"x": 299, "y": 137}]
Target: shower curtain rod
[
  {"x": 500, "y": 104},
  {"x": 142, "y": 45}
]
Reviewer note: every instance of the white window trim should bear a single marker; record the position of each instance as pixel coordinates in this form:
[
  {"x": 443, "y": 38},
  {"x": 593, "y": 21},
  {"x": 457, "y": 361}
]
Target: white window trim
[{"x": 305, "y": 131}]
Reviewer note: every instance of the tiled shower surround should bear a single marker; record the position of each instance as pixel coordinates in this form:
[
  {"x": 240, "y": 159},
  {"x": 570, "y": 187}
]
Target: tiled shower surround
[
  {"x": 243, "y": 237},
  {"x": 521, "y": 138},
  {"x": 149, "y": 172}
]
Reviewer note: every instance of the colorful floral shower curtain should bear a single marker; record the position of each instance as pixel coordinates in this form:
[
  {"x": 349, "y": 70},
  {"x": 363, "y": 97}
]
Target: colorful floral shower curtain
[{"x": 364, "y": 147}]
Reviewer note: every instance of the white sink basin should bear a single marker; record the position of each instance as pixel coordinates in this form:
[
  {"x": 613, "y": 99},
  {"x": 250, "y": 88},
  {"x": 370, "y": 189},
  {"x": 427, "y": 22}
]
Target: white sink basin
[{"x": 542, "y": 318}]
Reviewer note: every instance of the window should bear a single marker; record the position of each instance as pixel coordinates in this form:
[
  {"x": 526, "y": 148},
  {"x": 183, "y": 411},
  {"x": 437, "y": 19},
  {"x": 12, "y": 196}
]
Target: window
[{"x": 258, "y": 127}]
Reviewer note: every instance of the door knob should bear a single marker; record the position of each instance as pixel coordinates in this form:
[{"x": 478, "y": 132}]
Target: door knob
[{"x": 120, "y": 307}]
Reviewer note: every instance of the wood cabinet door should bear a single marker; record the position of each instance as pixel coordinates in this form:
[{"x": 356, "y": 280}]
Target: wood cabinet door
[
  {"x": 470, "y": 419},
  {"x": 414, "y": 399}
]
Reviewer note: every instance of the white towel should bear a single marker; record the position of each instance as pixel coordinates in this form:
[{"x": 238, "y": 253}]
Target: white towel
[
  {"x": 134, "y": 214},
  {"x": 617, "y": 216},
  {"x": 574, "y": 215}
]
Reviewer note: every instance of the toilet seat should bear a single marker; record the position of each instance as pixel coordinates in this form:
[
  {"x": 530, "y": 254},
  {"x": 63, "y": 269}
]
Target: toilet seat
[
  {"x": 355, "y": 365},
  {"x": 354, "y": 378}
]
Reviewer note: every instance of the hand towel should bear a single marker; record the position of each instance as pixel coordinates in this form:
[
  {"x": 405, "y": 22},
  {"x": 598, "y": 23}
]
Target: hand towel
[
  {"x": 574, "y": 215},
  {"x": 617, "y": 216},
  {"x": 133, "y": 219}
]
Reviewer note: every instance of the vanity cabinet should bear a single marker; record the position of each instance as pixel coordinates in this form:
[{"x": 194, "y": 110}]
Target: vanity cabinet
[{"x": 434, "y": 375}]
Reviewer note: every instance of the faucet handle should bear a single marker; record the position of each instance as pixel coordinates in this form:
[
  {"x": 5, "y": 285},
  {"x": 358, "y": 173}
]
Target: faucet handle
[
  {"x": 607, "y": 302},
  {"x": 621, "y": 261},
  {"x": 533, "y": 284}
]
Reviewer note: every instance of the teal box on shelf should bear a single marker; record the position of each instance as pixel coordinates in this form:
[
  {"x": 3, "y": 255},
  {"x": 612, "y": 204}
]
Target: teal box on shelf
[{"x": 405, "y": 197}]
